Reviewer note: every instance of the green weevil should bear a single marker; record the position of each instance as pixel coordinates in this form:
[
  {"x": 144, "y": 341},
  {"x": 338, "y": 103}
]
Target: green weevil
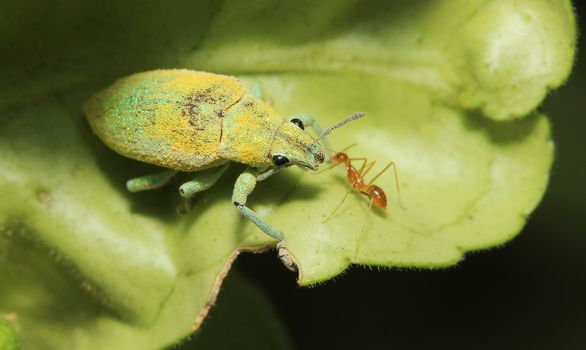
[{"x": 189, "y": 121}]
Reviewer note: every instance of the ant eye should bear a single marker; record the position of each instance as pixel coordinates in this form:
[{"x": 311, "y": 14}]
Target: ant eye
[
  {"x": 298, "y": 122},
  {"x": 280, "y": 160}
]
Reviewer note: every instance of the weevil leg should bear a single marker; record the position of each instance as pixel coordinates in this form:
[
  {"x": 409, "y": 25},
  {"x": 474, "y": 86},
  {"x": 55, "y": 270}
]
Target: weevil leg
[
  {"x": 202, "y": 181},
  {"x": 150, "y": 182},
  {"x": 286, "y": 257},
  {"x": 256, "y": 91},
  {"x": 242, "y": 189}
]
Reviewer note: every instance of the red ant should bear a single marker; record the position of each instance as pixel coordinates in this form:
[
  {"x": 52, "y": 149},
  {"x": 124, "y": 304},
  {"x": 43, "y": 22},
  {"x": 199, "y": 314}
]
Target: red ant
[{"x": 356, "y": 179}]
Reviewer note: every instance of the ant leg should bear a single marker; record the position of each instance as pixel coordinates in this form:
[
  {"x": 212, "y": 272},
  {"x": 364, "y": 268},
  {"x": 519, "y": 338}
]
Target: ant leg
[
  {"x": 364, "y": 160},
  {"x": 328, "y": 168},
  {"x": 335, "y": 164},
  {"x": 363, "y": 231},
  {"x": 366, "y": 168},
  {"x": 339, "y": 205},
  {"x": 396, "y": 180},
  {"x": 347, "y": 148},
  {"x": 332, "y": 151}
]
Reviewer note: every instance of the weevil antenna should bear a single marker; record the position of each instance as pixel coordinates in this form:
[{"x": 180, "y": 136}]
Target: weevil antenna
[{"x": 348, "y": 119}]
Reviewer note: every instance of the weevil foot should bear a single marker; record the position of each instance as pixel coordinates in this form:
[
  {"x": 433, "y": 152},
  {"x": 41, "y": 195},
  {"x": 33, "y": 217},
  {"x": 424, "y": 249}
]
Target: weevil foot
[{"x": 286, "y": 258}]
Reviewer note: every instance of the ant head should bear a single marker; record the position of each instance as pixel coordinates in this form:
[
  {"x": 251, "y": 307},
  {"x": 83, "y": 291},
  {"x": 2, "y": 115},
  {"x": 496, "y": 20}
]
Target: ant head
[{"x": 340, "y": 157}]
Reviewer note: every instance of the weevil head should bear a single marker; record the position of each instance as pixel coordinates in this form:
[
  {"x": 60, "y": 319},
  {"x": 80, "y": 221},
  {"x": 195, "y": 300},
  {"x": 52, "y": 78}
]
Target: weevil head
[{"x": 291, "y": 144}]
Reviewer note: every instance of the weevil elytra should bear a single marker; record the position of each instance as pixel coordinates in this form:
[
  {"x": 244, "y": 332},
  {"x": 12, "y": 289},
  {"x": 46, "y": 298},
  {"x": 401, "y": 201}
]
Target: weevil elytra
[{"x": 189, "y": 121}]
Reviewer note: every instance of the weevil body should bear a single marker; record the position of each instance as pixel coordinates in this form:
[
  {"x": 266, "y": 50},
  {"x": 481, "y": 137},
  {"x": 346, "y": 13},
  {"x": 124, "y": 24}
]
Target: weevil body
[
  {"x": 189, "y": 121},
  {"x": 198, "y": 122}
]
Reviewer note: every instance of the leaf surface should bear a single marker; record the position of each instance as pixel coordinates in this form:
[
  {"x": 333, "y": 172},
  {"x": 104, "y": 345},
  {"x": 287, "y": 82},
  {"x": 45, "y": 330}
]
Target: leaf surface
[{"x": 450, "y": 90}]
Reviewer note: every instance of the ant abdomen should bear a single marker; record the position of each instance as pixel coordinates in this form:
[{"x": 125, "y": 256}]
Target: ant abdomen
[{"x": 378, "y": 196}]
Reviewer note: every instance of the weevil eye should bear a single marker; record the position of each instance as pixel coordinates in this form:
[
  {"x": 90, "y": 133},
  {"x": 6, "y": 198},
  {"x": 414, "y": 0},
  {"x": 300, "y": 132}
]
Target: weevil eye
[
  {"x": 298, "y": 122},
  {"x": 280, "y": 160}
]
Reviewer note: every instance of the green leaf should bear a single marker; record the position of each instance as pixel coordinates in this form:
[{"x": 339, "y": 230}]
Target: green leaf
[
  {"x": 86, "y": 265},
  {"x": 9, "y": 337}
]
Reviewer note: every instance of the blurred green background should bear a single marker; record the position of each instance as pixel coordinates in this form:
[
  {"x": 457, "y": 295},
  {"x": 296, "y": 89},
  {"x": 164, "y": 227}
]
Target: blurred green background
[{"x": 528, "y": 294}]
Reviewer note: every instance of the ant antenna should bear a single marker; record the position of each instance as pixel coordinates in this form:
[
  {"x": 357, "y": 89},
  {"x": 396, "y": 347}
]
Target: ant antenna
[
  {"x": 333, "y": 151},
  {"x": 352, "y": 117}
]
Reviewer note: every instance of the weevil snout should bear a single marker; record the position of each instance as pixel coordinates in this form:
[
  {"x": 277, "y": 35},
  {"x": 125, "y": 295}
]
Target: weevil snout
[
  {"x": 317, "y": 155},
  {"x": 319, "y": 159}
]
